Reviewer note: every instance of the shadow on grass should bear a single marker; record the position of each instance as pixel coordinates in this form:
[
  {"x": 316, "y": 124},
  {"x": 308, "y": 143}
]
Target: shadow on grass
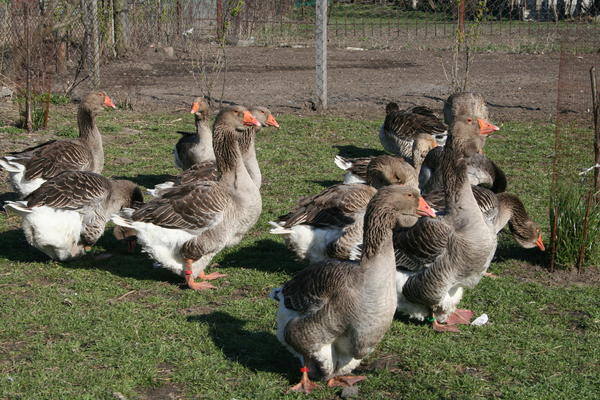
[
  {"x": 147, "y": 181},
  {"x": 512, "y": 251},
  {"x": 14, "y": 247},
  {"x": 265, "y": 255},
  {"x": 353, "y": 151},
  {"x": 257, "y": 351}
]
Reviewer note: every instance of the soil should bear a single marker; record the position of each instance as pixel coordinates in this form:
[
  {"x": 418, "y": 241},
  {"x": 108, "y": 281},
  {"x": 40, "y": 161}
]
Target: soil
[{"x": 518, "y": 87}]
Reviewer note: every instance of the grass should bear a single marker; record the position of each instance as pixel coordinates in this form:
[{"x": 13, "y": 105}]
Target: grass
[{"x": 91, "y": 329}]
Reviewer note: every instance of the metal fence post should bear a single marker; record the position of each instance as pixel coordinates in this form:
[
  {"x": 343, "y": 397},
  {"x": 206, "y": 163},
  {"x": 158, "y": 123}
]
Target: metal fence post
[
  {"x": 90, "y": 22},
  {"x": 321, "y": 53}
]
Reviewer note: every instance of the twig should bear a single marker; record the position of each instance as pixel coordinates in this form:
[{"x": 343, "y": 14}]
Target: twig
[{"x": 123, "y": 296}]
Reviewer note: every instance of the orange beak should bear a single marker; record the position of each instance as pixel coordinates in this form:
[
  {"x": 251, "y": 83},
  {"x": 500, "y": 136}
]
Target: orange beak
[
  {"x": 271, "y": 121},
  {"x": 485, "y": 128},
  {"x": 108, "y": 102},
  {"x": 540, "y": 243},
  {"x": 195, "y": 107},
  {"x": 249, "y": 119},
  {"x": 424, "y": 209}
]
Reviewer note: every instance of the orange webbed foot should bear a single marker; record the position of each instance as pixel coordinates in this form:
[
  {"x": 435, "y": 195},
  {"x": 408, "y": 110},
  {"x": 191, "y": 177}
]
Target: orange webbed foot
[
  {"x": 211, "y": 276},
  {"x": 460, "y": 317},
  {"x": 444, "y": 327},
  {"x": 342, "y": 381}
]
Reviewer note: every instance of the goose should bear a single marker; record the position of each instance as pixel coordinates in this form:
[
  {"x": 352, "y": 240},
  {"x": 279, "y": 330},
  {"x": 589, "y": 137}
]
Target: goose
[
  {"x": 324, "y": 225},
  {"x": 356, "y": 168},
  {"x": 499, "y": 209},
  {"x": 333, "y": 314},
  {"x": 481, "y": 170},
  {"x": 400, "y": 128},
  {"x": 33, "y": 166},
  {"x": 66, "y": 215},
  {"x": 186, "y": 227},
  {"x": 440, "y": 257},
  {"x": 207, "y": 170},
  {"x": 197, "y": 147}
]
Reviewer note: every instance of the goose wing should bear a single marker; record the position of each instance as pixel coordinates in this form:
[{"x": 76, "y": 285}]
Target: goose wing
[
  {"x": 487, "y": 173},
  {"x": 310, "y": 289},
  {"x": 51, "y": 159},
  {"x": 204, "y": 171},
  {"x": 71, "y": 190},
  {"x": 335, "y": 206},
  {"x": 407, "y": 124},
  {"x": 422, "y": 244},
  {"x": 192, "y": 207}
]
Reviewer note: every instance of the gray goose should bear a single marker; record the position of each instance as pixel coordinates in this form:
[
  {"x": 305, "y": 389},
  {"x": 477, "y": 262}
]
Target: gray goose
[
  {"x": 402, "y": 126},
  {"x": 481, "y": 170},
  {"x": 356, "y": 168},
  {"x": 208, "y": 171},
  {"x": 499, "y": 210},
  {"x": 186, "y": 227},
  {"x": 33, "y": 166},
  {"x": 440, "y": 257},
  {"x": 333, "y": 314},
  {"x": 326, "y": 225},
  {"x": 67, "y": 214},
  {"x": 195, "y": 148}
]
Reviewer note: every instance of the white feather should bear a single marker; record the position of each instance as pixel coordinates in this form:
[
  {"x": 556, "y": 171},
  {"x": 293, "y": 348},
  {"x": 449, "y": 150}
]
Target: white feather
[
  {"x": 156, "y": 192},
  {"x": 414, "y": 311},
  {"x": 55, "y": 232},
  {"x": 350, "y": 178},
  {"x": 308, "y": 242},
  {"x": 341, "y": 163},
  {"x": 16, "y": 171}
]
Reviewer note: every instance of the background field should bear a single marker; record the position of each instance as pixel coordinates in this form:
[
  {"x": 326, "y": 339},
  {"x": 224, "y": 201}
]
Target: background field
[{"x": 119, "y": 328}]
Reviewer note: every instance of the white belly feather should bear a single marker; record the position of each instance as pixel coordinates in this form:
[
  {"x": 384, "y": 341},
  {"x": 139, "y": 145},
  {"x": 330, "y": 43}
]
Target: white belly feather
[{"x": 16, "y": 172}]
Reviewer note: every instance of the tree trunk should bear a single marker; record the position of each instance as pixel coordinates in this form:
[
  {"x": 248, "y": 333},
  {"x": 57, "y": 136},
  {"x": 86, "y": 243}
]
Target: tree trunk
[{"x": 121, "y": 27}]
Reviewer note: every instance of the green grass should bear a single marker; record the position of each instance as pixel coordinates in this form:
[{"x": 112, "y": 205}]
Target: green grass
[{"x": 68, "y": 332}]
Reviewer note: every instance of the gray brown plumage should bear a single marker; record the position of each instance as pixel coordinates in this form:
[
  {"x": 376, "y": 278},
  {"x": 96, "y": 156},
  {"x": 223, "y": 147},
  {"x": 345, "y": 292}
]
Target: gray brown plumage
[
  {"x": 401, "y": 127},
  {"x": 333, "y": 314},
  {"x": 197, "y": 147},
  {"x": 208, "y": 171},
  {"x": 69, "y": 211},
  {"x": 481, "y": 170},
  {"x": 460, "y": 243},
  {"x": 31, "y": 167},
  {"x": 191, "y": 223},
  {"x": 356, "y": 168},
  {"x": 323, "y": 225}
]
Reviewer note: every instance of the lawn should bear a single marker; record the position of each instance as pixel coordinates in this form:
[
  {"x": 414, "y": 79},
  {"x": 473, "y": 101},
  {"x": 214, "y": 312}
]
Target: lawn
[{"x": 119, "y": 328}]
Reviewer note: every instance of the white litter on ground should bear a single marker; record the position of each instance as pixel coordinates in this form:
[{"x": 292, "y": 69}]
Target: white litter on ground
[{"x": 481, "y": 320}]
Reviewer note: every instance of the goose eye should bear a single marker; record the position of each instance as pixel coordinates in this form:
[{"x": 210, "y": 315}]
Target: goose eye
[{"x": 469, "y": 120}]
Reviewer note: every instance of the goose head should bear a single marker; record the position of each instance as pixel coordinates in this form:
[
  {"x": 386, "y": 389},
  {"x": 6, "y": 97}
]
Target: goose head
[
  {"x": 200, "y": 109},
  {"x": 95, "y": 102},
  {"x": 126, "y": 193},
  {"x": 236, "y": 118},
  {"x": 391, "y": 107},
  {"x": 465, "y": 103},
  {"x": 264, "y": 116},
  {"x": 468, "y": 133},
  {"x": 404, "y": 205},
  {"x": 389, "y": 170},
  {"x": 528, "y": 235}
]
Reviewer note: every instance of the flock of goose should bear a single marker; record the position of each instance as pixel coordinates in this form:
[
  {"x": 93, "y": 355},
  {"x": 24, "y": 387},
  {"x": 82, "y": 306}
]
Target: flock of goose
[{"x": 403, "y": 233}]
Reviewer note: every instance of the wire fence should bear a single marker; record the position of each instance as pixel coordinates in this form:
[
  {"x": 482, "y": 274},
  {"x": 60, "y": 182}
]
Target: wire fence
[{"x": 518, "y": 25}]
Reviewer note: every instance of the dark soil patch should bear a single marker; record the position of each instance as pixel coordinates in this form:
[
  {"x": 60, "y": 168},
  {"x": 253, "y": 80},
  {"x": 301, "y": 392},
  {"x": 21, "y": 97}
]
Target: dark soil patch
[
  {"x": 562, "y": 278},
  {"x": 388, "y": 362},
  {"x": 518, "y": 87},
  {"x": 167, "y": 391}
]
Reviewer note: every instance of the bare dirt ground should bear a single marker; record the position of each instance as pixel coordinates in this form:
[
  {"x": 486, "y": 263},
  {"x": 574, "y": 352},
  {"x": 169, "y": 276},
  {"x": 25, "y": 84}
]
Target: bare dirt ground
[{"x": 518, "y": 87}]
